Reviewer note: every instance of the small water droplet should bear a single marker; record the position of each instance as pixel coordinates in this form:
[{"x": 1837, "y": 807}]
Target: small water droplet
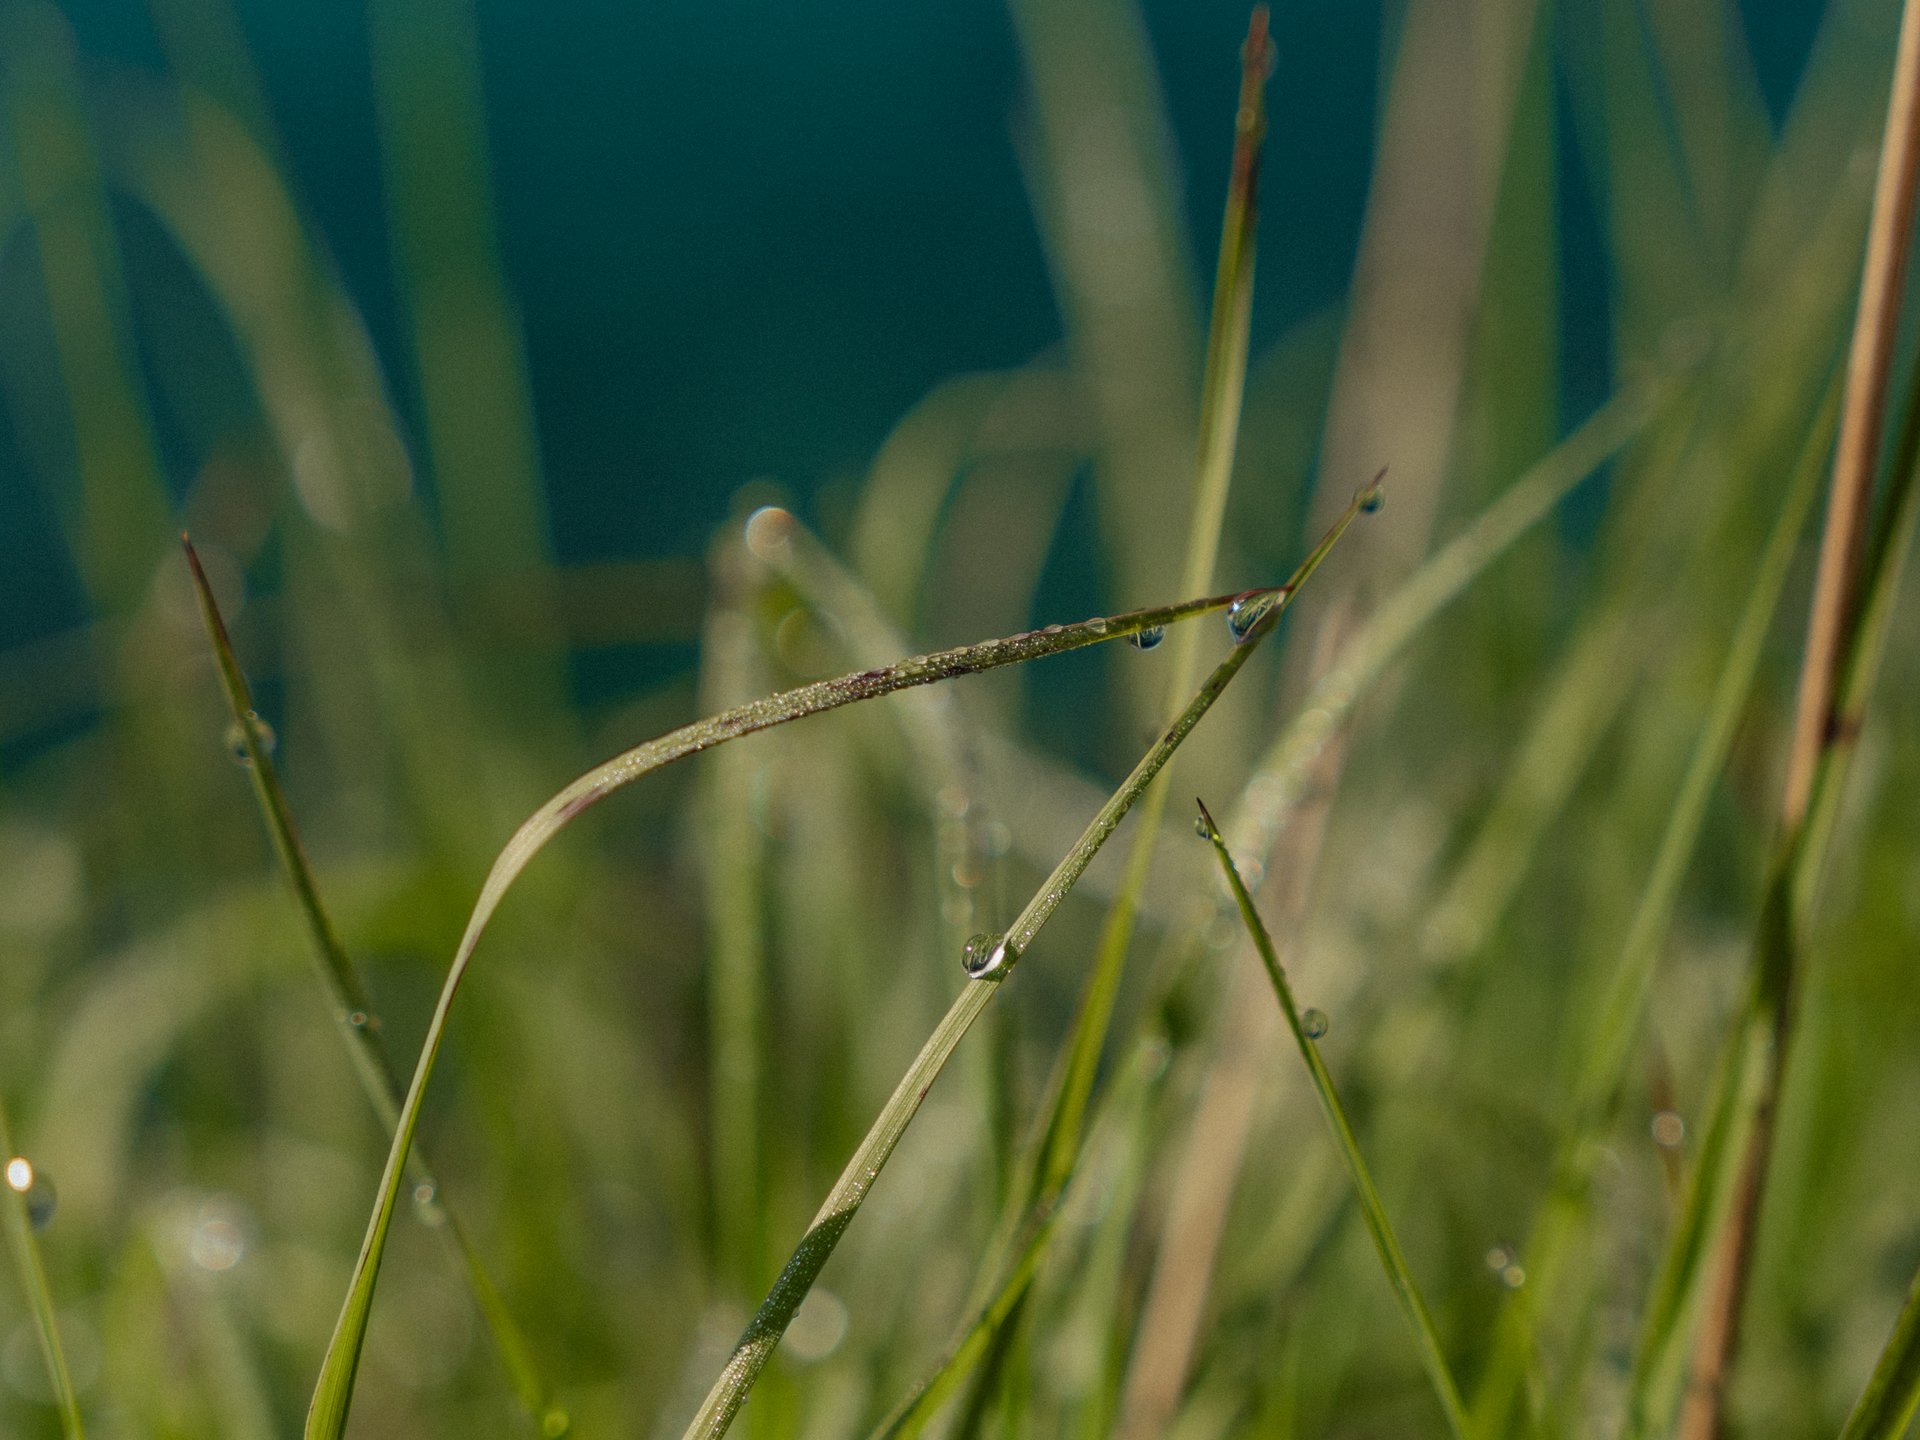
[
  {"x": 357, "y": 1019},
  {"x": 1201, "y": 828},
  {"x": 556, "y": 1423},
  {"x": 426, "y": 1205},
  {"x": 1244, "y": 613},
  {"x": 33, "y": 1186},
  {"x": 1147, "y": 639},
  {"x": 1499, "y": 1257},
  {"x": 1313, "y": 1023},
  {"x": 1097, "y": 627},
  {"x": 1373, "y": 498},
  {"x": 986, "y": 956},
  {"x": 237, "y": 738},
  {"x": 1514, "y": 1276},
  {"x": 1669, "y": 1130}
]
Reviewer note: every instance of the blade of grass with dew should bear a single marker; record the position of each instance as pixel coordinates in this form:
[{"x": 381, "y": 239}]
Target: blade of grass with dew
[
  {"x": 1223, "y": 390},
  {"x": 1790, "y": 894},
  {"x": 14, "y": 1215},
  {"x": 1392, "y": 1258},
  {"x": 763, "y": 1332},
  {"x": 1609, "y": 1047},
  {"x": 356, "y": 1018},
  {"x": 332, "y": 1393}
]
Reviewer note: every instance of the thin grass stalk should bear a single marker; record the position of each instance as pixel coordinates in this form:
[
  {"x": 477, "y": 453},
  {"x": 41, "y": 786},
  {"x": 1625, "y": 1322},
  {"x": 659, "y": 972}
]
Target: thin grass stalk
[
  {"x": 354, "y": 1014},
  {"x": 1223, "y": 390},
  {"x": 1608, "y": 1052},
  {"x": 1040, "y": 1181},
  {"x": 25, "y": 1245},
  {"x": 1886, "y": 1407},
  {"x": 332, "y": 1395},
  {"x": 1393, "y": 1258},
  {"x": 1831, "y": 633},
  {"x": 763, "y": 1332}
]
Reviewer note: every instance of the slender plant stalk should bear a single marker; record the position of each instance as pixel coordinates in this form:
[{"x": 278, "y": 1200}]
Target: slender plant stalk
[
  {"x": 1830, "y": 633},
  {"x": 327, "y": 1413},
  {"x": 1392, "y": 1258},
  {"x": 355, "y": 1017},
  {"x": 763, "y": 1332},
  {"x": 1223, "y": 389},
  {"x": 1886, "y": 1407},
  {"x": 33, "y": 1282}
]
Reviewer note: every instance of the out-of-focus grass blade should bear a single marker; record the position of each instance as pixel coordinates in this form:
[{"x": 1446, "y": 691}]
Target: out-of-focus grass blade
[
  {"x": 327, "y": 1414},
  {"x": 1392, "y": 1258},
  {"x": 353, "y": 1007},
  {"x": 14, "y": 1185},
  {"x": 1886, "y": 1407},
  {"x": 1001, "y": 954},
  {"x": 1799, "y": 858},
  {"x": 1609, "y": 1048}
]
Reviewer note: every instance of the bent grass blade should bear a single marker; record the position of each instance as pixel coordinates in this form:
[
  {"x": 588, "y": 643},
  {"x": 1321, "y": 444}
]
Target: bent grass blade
[
  {"x": 327, "y": 1414},
  {"x": 763, "y": 1332},
  {"x": 18, "y": 1224},
  {"x": 1392, "y": 1258},
  {"x": 354, "y": 1013}
]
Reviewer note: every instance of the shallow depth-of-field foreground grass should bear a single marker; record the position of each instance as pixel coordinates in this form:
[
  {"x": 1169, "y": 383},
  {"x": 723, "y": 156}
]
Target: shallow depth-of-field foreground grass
[{"x": 1524, "y": 1039}]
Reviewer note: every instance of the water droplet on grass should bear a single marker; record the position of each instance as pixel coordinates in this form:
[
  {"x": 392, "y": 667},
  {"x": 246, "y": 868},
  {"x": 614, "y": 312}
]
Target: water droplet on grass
[
  {"x": 1669, "y": 1130},
  {"x": 1313, "y": 1023},
  {"x": 1147, "y": 639},
  {"x": 1244, "y": 613},
  {"x": 237, "y": 739},
  {"x": 986, "y": 956},
  {"x": 35, "y": 1188},
  {"x": 556, "y": 1423}
]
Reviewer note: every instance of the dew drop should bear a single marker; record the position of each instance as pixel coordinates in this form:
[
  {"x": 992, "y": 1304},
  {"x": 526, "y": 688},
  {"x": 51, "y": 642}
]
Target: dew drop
[
  {"x": 1201, "y": 828},
  {"x": 986, "y": 956},
  {"x": 427, "y": 1207},
  {"x": 1244, "y": 613},
  {"x": 1147, "y": 639},
  {"x": 556, "y": 1423},
  {"x": 237, "y": 738},
  {"x": 1669, "y": 1130},
  {"x": 1313, "y": 1023},
  {"x": 35, "y": 1188},
  {"x": 1373, "y": 498},
  {"x": 1096, "y": 627}
]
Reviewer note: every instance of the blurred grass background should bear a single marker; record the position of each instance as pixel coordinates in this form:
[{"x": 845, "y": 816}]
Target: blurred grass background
[{"x": 465, "y": 338}]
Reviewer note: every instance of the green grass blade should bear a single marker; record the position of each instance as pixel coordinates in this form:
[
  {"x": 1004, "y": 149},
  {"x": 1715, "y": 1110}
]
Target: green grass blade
[
  {"x": 1392, "y": 1258},
  {"x": 33, "y": 1280},
  {"x": 1886, "y": 1407},
  {"x": 763, "y": 1332},
  {"x": 354, "y": 1014},
  {"x": 327, "y": 1414}
]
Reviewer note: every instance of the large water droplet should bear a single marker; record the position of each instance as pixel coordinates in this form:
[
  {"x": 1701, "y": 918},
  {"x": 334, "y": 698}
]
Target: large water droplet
[
  {"x": 237, "y": 738},
  {"x": 1313, "y": 1023},
  {"x": 1244, "y": 613},
  {"x": 35, "y": 1189},
  {"x": 986, "y": 956},
  {"x": 1147, "y": 639}
]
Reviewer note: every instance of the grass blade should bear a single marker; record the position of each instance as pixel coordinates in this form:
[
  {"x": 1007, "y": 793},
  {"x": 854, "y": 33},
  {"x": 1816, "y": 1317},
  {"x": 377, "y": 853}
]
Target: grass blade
[
  {"x": 327, "y": 1414},
  {"x": 987, "y": 969},
  {"x": 18, "y": 1221},
  {"x": 358, "y": 1022},
  {"x": 1392, "y": 1258},
  {"x": 1886, "y": 1407}
]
